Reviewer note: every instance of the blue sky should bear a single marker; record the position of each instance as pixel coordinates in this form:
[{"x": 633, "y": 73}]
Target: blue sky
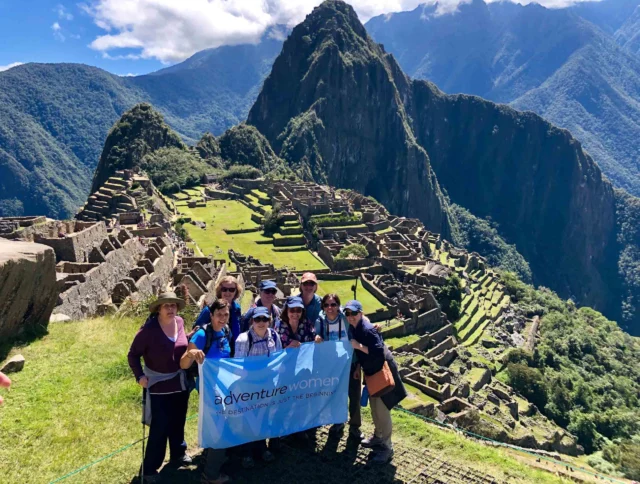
[
  {"x": 27, "y": 34},
  {"x": 140, "y": 36}
]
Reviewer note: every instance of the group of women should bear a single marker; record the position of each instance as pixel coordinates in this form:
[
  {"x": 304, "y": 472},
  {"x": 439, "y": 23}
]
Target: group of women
[{"x": 220, "y": 331}]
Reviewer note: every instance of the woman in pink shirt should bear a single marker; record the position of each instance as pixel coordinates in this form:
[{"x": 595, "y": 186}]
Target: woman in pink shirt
[{"x": 161, "y": 342}]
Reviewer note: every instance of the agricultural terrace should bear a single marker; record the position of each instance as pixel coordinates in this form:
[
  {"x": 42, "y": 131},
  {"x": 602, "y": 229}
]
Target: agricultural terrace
[
  {"x": 222, "y": 215},
  {"x": 343, "y": 290}
]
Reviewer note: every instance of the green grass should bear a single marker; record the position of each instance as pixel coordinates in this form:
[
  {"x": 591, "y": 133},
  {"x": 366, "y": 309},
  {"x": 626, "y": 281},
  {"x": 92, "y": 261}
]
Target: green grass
[
  {"x": 225, "y": 214},
  {"x": 397, "y": 342},
  {"x": 343, "y": 289},
  {"x": 384, "y": 231},
  {"x": 75, "y": 401},
  {"x": 416, "y": 397}
]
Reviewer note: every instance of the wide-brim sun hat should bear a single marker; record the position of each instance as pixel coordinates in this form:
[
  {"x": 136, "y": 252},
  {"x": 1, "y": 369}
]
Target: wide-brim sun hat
[{"x": 166, "y": 298}]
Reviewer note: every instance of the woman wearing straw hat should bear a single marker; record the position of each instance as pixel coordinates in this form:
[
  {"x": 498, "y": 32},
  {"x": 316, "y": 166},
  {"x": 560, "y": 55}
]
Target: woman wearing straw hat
[{"x": 161, "y": 342}]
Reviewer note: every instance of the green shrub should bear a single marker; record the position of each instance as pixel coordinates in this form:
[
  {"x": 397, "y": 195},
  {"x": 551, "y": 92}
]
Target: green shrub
[{"x": 449, "y": 296}]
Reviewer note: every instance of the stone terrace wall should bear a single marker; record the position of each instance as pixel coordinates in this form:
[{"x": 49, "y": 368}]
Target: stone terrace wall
[
  {"x": 83, "y": 299},
  {"x": 75, "y": 246},
  {"x": 28, "y": 289}
]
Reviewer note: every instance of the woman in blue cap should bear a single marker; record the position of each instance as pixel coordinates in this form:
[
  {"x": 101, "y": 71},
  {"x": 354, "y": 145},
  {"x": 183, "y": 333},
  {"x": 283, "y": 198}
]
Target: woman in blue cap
[
  {"x": 260, "y": 340},
  {"x": 211, "y": 341},
  {"x": 294, "y": 328},
  {"x": 372, "y": 354}
]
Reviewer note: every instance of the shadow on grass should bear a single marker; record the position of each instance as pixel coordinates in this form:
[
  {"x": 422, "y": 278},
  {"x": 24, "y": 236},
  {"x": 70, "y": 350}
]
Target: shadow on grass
[
  {"x": 321, "y": 460},
  {"x": 26, "y": 338}
]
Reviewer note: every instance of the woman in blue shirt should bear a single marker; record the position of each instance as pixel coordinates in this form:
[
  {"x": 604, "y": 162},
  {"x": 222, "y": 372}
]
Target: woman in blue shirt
[
  {"x": 228, "y": 289},
  {"x": 214, "y": 338}
]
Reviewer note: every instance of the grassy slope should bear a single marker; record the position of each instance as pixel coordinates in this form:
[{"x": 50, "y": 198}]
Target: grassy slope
[
  {"x": 223, "y": 214},
  {"x": 76, "y": 401},
  {"x": 343, "y": 289}
]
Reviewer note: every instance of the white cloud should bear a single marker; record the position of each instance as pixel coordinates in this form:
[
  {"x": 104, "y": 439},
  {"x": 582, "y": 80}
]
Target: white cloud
[
  {"x": 9, "y": 66},
  {"x": 171, "y": 31},
  {"x": 62, "y": 12},
  {"x": 57, "y": 32}
]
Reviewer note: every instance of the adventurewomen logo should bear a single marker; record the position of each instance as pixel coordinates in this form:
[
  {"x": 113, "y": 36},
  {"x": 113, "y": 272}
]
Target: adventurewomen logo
[{"x": 310, "y": 383}]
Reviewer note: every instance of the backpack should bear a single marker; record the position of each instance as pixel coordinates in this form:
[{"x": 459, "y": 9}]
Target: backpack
[
  {"x": 192, "y": 371},
  {"x": 272, "y": 332}
]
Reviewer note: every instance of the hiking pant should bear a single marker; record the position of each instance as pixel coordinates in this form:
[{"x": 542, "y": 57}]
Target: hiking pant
[
  {"x": 355, "y": 394},
  {"x": 168, "y": 416},
  {"x": 381, "y": 416},
  {"x": 254, "y": 449},
  {"x": 215, "y": 459}
]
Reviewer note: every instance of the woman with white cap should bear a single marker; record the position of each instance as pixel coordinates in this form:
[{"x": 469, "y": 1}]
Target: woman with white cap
[{"x": 161, "y": 342}]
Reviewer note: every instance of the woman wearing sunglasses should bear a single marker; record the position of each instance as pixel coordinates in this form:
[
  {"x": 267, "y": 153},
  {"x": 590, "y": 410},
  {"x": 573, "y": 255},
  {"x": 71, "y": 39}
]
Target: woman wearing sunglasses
[
  {"x": 332, "y": 325},
  {"x": 294, "y": 328},
  {"x": 268, "y": 292},
  {"x": 372, "y": 354},
  {"x": 216, "y": 336},
  {"x": 260, "y": 340},
  {"x": 228, "y": 289}
]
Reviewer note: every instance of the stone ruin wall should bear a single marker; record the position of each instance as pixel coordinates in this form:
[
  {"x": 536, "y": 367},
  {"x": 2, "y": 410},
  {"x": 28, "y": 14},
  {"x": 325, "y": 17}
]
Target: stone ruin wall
[{"x": 28, "y": 289}]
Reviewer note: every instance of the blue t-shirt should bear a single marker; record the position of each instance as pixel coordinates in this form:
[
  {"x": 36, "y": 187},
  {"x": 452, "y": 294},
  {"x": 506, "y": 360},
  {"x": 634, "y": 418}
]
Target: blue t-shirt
[{"x": 220, "y": 347}]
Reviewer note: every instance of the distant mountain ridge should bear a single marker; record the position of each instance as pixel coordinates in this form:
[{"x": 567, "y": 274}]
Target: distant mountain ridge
[
  {"x": 552, "y": 62},
  {"x": 54, "y": 118}
]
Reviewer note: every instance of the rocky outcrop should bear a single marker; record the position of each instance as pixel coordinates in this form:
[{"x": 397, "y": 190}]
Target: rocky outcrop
[
  {"x": 28, "y": 288},
  {"x": 333, "y": 108}
]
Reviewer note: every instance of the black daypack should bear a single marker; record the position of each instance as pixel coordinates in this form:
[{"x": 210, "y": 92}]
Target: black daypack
[{"x": 192, "y": 371}]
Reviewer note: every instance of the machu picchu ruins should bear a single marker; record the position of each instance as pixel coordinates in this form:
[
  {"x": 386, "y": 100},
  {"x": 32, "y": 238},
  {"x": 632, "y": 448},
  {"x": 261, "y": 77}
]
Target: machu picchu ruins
[{"x": 123, "y": 245}]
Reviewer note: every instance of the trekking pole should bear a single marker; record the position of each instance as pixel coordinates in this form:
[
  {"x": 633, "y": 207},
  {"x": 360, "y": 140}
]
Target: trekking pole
[{"x": 144, "y": 405}]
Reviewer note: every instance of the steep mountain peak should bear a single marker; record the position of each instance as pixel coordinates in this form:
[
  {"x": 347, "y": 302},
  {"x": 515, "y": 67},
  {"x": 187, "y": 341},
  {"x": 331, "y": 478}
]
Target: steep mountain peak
[
  {"x": 332, "y": 108},
  {"x": 140, "y": 131}
]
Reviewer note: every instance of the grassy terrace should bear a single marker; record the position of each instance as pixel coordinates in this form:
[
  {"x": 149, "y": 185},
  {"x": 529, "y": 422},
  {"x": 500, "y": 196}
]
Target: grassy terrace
[
  {"x": 225, "y": 214},
  {"x": 343, "y": 289},
  {"x": 76, "y": 401},
  {"x": 397, "y": 342}
]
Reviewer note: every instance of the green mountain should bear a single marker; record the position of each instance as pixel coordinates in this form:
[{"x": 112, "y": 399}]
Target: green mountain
[
  {"x": 553, "y": 62},
  {"x": 339, "y": 109},
  {"x": 54, "y": 118}
]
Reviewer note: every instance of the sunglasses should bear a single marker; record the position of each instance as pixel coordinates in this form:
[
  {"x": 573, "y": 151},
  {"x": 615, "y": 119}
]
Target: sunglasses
[
  {"x": 228, "y": 289},
  {"x": 331, "y": 305},
  {"x": 295, "y": 310},
  {"x": 308, "y": 283},
  {"x": 270, "y": 291},
  {"x": 261, "y": 319},
  {"x": 351, "y": 313}
]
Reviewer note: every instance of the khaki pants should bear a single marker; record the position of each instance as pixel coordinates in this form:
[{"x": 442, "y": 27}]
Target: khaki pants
[{"x": 381, "y": 420}]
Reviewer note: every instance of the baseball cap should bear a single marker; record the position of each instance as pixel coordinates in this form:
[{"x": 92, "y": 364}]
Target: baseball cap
[
  {"x": 295, "y": 302},
  {"x": 308, "y": 276},
  {"x": 354, "y": 305},
  {"x": 260, "y": 311},
  {"x": 268, "y": 285}
]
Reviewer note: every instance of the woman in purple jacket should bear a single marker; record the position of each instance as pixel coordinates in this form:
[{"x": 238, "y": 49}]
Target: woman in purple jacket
[{"x": 161, "y": 342}]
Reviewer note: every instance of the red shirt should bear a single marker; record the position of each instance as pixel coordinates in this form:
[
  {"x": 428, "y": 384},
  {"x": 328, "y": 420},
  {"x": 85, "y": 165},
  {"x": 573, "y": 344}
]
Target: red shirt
[{"x": 159, "y": 353}]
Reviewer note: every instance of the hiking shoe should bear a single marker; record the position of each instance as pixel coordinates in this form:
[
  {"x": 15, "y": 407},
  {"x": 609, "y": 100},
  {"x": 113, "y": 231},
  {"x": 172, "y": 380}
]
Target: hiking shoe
[
  {"x": 222, "y": 479},
  {"x": 354, "y": 432},
  {"x": 248, "y": 462},
  {"x": 372, "y": 442},
  {"x": 267, "y": 456},
  {"x": 336, "y": 430},
  {"x": 382, "y": 456},
  {"x": 181, "y": 461}
]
